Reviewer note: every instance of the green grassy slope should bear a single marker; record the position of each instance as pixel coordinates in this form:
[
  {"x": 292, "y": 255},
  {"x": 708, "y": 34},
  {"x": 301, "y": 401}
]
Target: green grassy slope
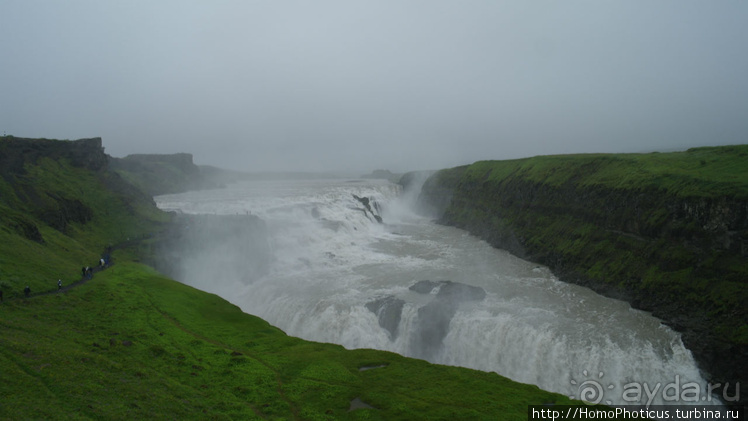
[
  {"x": 36, "y": 254},
  {"x": 698, "y": 172},
  {"x": 132, "y": 344}
]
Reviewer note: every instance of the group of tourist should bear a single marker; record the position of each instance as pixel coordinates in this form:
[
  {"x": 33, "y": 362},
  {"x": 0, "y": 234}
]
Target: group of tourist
[{"x": 86, "y": 272}]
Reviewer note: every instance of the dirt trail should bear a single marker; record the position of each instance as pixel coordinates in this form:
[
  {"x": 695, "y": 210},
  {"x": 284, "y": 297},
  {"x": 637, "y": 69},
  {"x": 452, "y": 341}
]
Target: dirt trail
[{"x": 94, "y": 269}]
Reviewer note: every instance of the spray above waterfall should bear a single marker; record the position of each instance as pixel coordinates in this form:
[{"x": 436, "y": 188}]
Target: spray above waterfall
[{"x": 348, "y": 262}]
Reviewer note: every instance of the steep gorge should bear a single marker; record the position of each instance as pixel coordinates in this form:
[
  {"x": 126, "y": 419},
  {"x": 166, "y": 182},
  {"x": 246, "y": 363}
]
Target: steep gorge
[{"x": 666, "y": 232}]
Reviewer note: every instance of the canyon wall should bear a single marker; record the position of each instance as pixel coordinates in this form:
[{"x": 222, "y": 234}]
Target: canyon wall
[{"x": 666, "y": 232}]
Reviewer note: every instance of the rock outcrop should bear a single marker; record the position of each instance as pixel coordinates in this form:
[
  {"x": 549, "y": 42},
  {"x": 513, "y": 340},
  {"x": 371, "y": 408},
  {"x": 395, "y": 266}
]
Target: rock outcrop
[
  {"x": 61, "y": 206},
  {"x": 389, "y": 312},
  {"x": 16, "y": 152},
  {"x": 371, "y": 207},
  {"x": 60, "y": 211},
  {"x": 455, "y": 292},
  {"x": 434, "y": 318}
]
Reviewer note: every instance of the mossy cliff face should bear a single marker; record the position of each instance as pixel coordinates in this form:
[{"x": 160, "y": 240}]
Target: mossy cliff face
[
  {"x": 666, "y": 232},
  {"x": 162, "y": 174},
  {"x": 60, "y": 206},
  {"x": 16, "y": 153}
]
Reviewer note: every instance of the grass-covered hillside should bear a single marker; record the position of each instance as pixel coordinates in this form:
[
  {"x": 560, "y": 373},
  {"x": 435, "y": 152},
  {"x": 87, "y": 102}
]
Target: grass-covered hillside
[
  {"x": 666, "y": 231},
  {"x": 133, "y": 344},
  {"x": 59, "y": 209},
  {"x": 163, "y": 174},
  {"x": 699, "y": 172}
]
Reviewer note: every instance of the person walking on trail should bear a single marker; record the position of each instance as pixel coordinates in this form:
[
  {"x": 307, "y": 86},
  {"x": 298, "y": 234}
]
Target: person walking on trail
[
  {"x": 59, "y": 284},
  {"x": 27, "y": 291}
]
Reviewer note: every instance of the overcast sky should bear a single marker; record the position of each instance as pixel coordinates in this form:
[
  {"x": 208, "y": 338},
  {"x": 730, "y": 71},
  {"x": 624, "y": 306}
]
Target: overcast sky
[{"x": 359, "y": 85}]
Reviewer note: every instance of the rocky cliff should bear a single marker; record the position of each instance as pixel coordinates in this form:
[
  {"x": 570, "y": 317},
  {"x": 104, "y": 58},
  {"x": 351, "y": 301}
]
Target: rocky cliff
[
  {"x": 666, "y": 232},
  {"x": 60, "y": 207},
  {"x": 162, "y": 174},
  {"x": 16, "y": 153},
  {"x": 29, "y": 169}
]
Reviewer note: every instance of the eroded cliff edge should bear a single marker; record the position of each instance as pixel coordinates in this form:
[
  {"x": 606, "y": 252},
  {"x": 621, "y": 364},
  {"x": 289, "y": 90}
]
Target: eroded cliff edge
[
  {"x": 666, "y": 232},
  {"x": 162, "y": 174}
]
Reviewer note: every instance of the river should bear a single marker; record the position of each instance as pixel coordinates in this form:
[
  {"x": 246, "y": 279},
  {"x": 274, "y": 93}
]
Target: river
[{"x": 337, "y": 275}]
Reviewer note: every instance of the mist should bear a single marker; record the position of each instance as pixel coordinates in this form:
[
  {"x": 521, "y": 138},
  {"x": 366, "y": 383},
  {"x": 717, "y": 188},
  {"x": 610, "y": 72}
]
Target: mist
[
  {"x": 305, "y": 256},
  {"x": 341, "y": 86}
]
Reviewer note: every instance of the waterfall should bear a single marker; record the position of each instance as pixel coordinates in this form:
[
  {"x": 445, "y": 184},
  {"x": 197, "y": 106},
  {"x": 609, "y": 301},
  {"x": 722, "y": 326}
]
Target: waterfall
[{"x": 335, "y": 274}]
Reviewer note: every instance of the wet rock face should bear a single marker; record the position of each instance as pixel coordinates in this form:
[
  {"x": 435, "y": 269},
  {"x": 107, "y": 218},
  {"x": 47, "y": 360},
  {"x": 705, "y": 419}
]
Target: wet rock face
[
  {"x": 424, "y": 287},
  {"x": 434, "y": 318},
  {"x": 457, "y": 292},
  {"x": 367, "y": 209},
  {"x": 432, "y": 327},
  {"x": 448, "y": 290},
  {"x": 389, "y": 312}
]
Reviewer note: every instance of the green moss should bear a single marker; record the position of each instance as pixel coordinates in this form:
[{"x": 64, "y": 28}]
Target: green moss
[{"x": 741, "y": 334}]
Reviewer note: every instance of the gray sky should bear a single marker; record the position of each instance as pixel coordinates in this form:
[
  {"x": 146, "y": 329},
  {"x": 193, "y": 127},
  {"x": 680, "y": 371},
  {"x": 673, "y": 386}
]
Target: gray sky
[{"x": 359, "y": 85}]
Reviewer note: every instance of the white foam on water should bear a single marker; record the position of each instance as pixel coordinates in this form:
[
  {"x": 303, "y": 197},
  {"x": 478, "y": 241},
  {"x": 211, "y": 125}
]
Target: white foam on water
[{"x": 330, "y": 259}]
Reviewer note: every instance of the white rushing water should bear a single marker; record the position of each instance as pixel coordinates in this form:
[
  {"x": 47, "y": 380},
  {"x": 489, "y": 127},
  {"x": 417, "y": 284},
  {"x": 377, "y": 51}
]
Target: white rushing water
[{"x": 329, "y": 259}]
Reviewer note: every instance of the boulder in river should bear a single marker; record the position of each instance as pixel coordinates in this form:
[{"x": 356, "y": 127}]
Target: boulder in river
[
  {"x": 448, "y": 290},
  {"x": 458, "y": 292},
  {"x": 425, "y": 287}
]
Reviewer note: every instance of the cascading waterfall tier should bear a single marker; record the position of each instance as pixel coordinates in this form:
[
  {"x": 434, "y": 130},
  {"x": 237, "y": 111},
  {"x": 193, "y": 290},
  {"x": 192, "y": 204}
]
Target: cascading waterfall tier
[{"x": 336, "y": 274}]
